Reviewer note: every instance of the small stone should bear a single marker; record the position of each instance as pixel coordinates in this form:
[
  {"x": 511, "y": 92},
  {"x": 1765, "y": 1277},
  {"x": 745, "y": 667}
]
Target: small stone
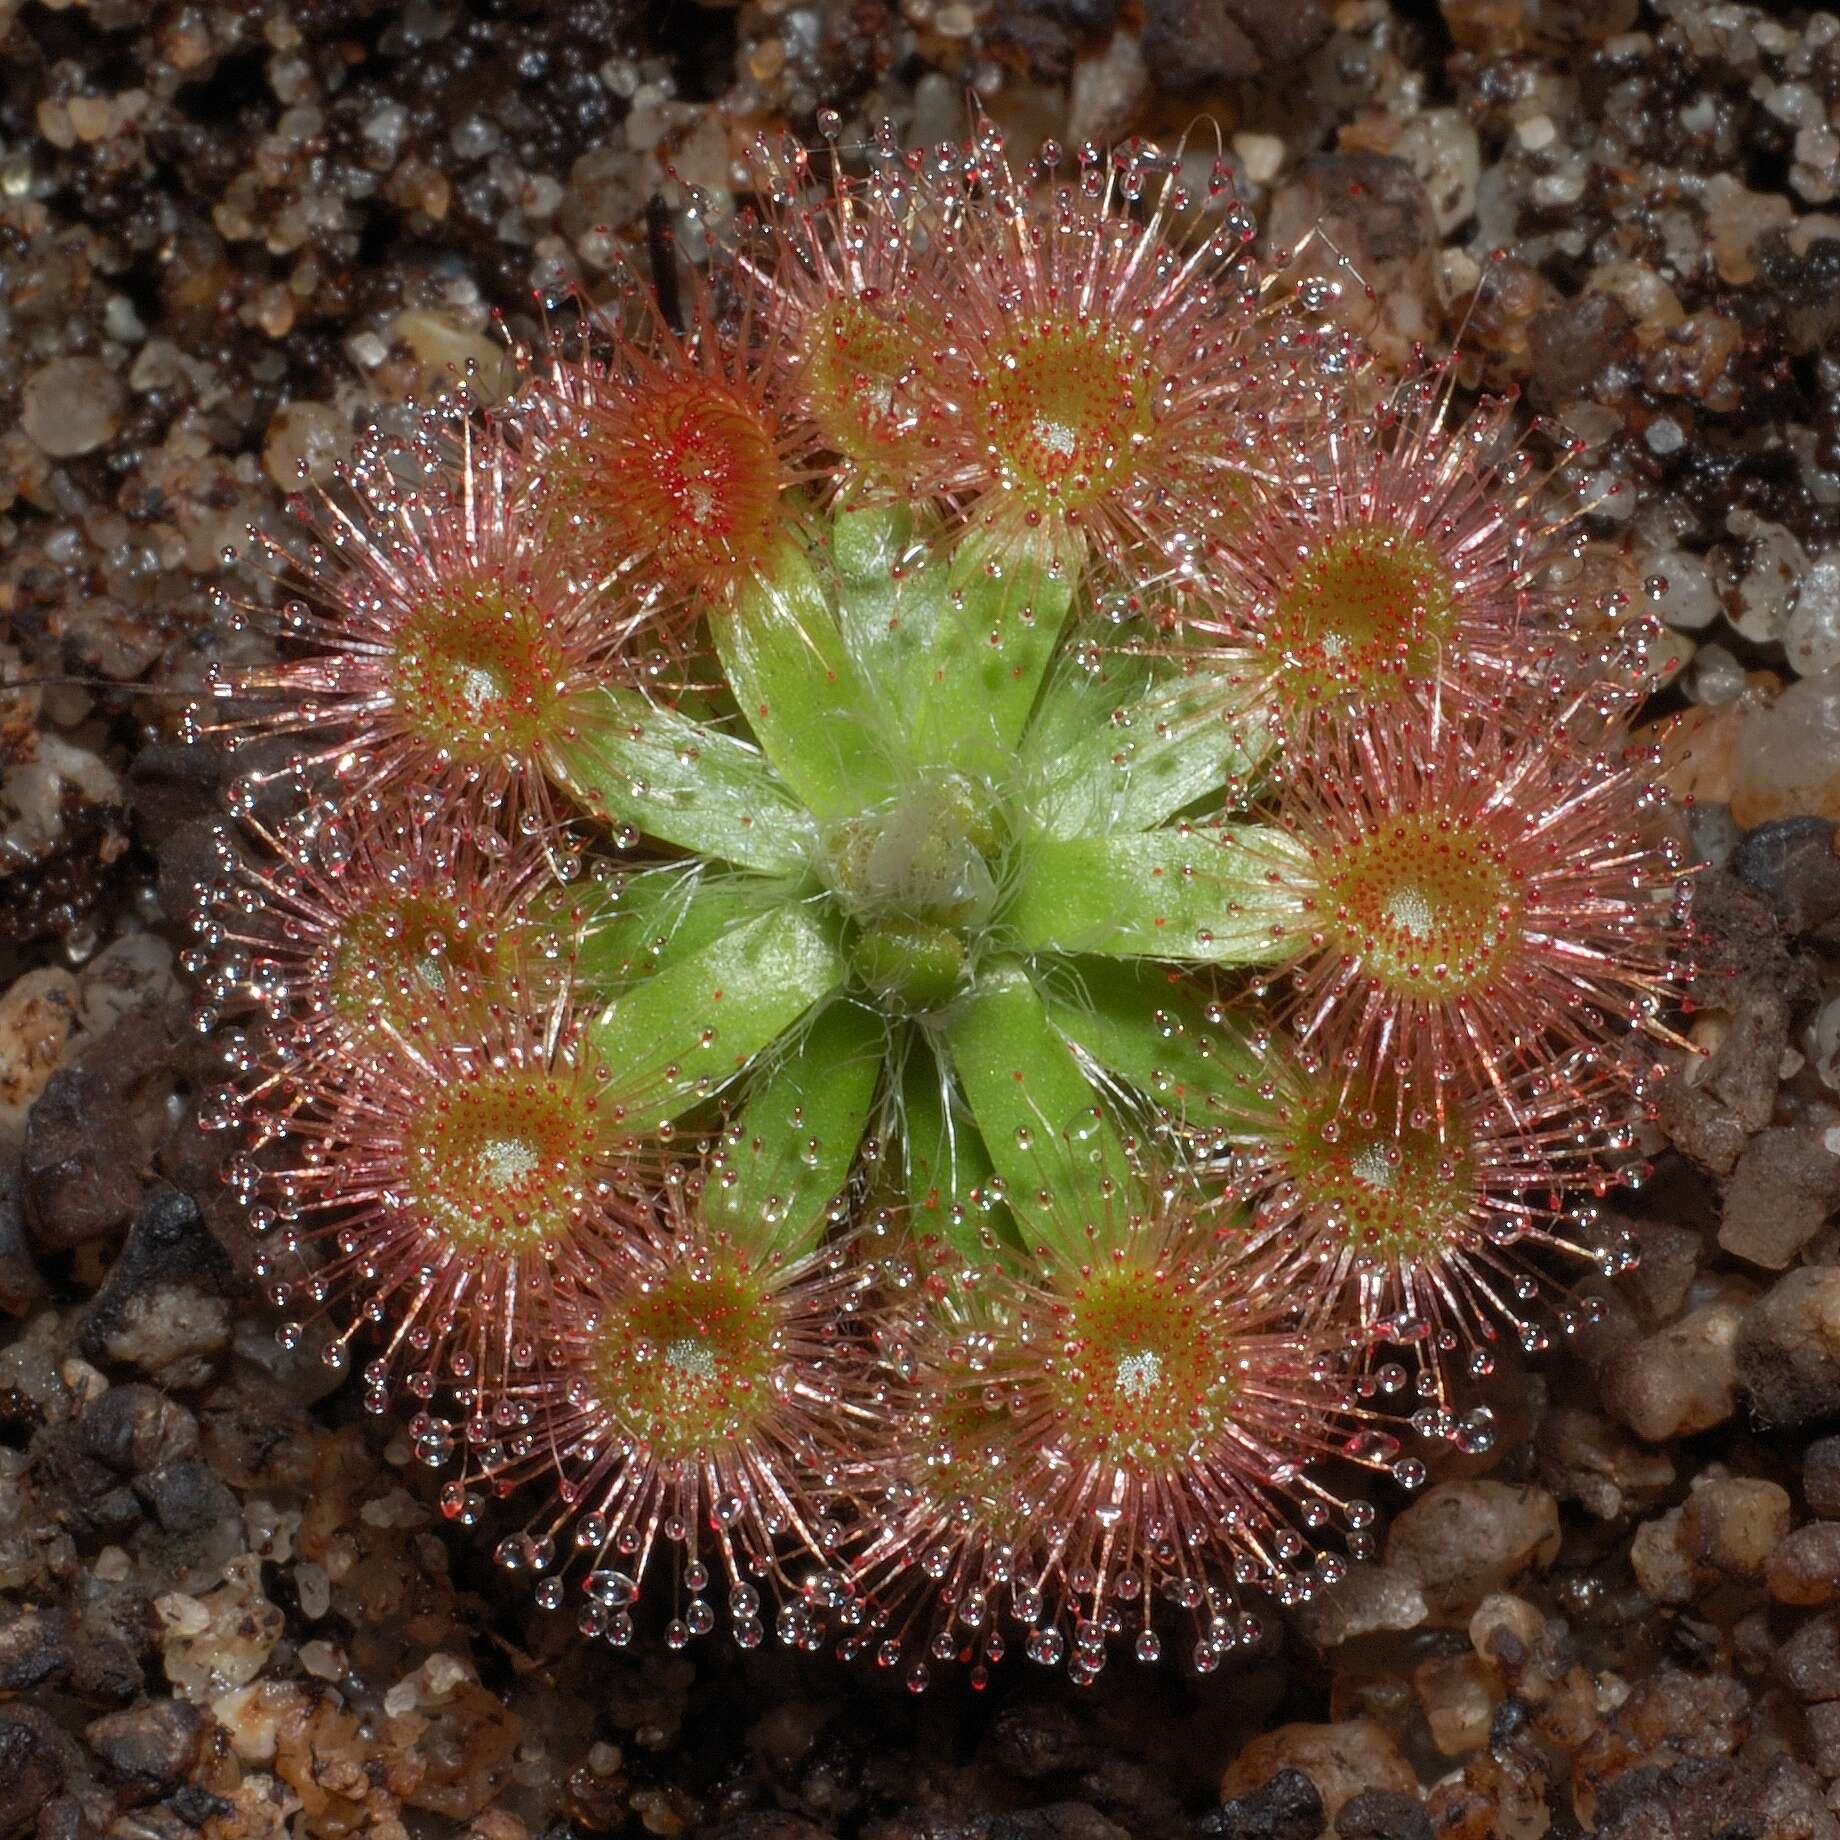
[
  {"x": 1779, "y": 1197},
  {"x": 1812, "y": 636},
  {"x": 1574, "y": 345},
  {"x": 1678, "y": 1381},
  {"x": 1734, "y": 1523},
  {"x": 1466, "y": 1539},
  {"x": 35, "y": 1650},
  {"x": 304, "y": 442},
  {"x": 1787, "y": 760},
  {"x": 1261, "y": 155},
  {"x": 114, "y": 1645},
  {"x": 1340, "y": 1760},
  {"x": 1693, "y": 360},
  {"x": 420, "y": 185},
  {"x": 80, "y": 1178},
  {"x": 1737, "y": 221},
  {"x": 606, "y": 190},
  {"x": 185, "y": 1499},
  {"x": 150, "y": 1750},
  {"x": 312, "y": 1590},
  {"x": 1664, "y": 1567},
  {"x": 1776, "y": 564},
  {"x": 134, "y": 973},
  {"x": 222, "y": 1640},
  {"x": 164, "y": 1308},
  {"x": 1383, "y": 1814},
  {"x": 72, "y": 406},
  {"x": 1193, "y": 45},
  {"x": 448, "y": 351},
  {"x": 1506, "y": 1631},
  {"x": 1368, "y": 1598},
  {"x": 1441, "y": 147},
  {"x": 1457, "y": 1697},
  {"x": 1795, "y": 866},
  {"x": 32, "y": 1766},
  {"x": 38, "y": 1015},
  {"x": 1805, "y": 1568},
  {"x": 22, "y": 1284},
  {"x": 1788, "y": 1347},
  {"x": 1587, "y": 1459},
  {"x": 1821, "y": 1476},
  {"x": 1288, "y": 1807},
  {"x": 1808, "y": 1664},
  {"x": 1824, "y": 1738},
  {"x": 1108, "y": 91},
  {"x": 323, "y": 1660},
  {"x": 1686, "y": 593},
  {"x": 1668, "y": 1261},
  {"x": 129, "y": 1431}
]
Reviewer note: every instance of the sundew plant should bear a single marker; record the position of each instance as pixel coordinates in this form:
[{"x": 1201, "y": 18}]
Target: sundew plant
[{"x": 935, "y": 946}]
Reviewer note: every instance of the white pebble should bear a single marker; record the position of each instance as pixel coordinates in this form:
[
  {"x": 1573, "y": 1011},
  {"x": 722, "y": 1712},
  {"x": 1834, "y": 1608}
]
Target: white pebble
[
  {"x": 1760, "y": 600},
  {"x": 1689, "y": 597},
  {"x": 1262, "y": 155},
  {"x": 1812, "y": 635},
  {"x": 313, "y": 1589},
  {"x": 1717, "y": 676}
]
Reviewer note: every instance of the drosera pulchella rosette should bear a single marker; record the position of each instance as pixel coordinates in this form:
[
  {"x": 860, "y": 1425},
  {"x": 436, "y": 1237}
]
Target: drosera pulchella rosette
[
  {"x": 1441, "y": 1233},
  {"x": 1081, "y": 1450},
  {"x": 1106, "y": 363},
  {"x": 1474, "y": 896},
  {"x": 327, "y": 937},
  {"x": 434, "y": 655},
  {"x": 864, "y": 854},
  {"x": 840, "y": 258},
  {"x": 693, "y": 1407},
  {"x": 464, "y": 1169},
  {"x": 685, "y": 1424},
  {"x": 662, "y": 466},
  {"x": 1409, "y": 556}
]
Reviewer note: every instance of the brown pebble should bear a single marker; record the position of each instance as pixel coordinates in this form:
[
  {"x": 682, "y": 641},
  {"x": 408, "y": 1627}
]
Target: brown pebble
[
  {"x": 35, "y": 1649},
  {"x": 1341, "y": 1760},
  {"x": 1734, "y": 1524},
  {"x": 1788, "y": 1347},
  {"x": 1824, "y": 1738},
  {"x": 1808, "y": 1664},
  {"x": 1821, "y": 1476},
  {"x": 1663, "y": 1563},
  {"x": 1575, "y": 343},
  {"x": 32, "y": 1765},
  {"x": 1785, "y": 1186},
  {"x": 1669, "y": 1260},
  {"x": 1383, "y": 1814},
  {"x": 1467, "y": 1539},
  {"x": 1678, "y": 1381},
  {"x": 148, "y": 1750},
  {"x": 1587, "y": 1459},
  {"x": 1805, "y": 1567},
  {"x": 1287, "y": 1807},
  {"x": 1193, "y": 45},
  {"x": 72, "y": 406}
]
